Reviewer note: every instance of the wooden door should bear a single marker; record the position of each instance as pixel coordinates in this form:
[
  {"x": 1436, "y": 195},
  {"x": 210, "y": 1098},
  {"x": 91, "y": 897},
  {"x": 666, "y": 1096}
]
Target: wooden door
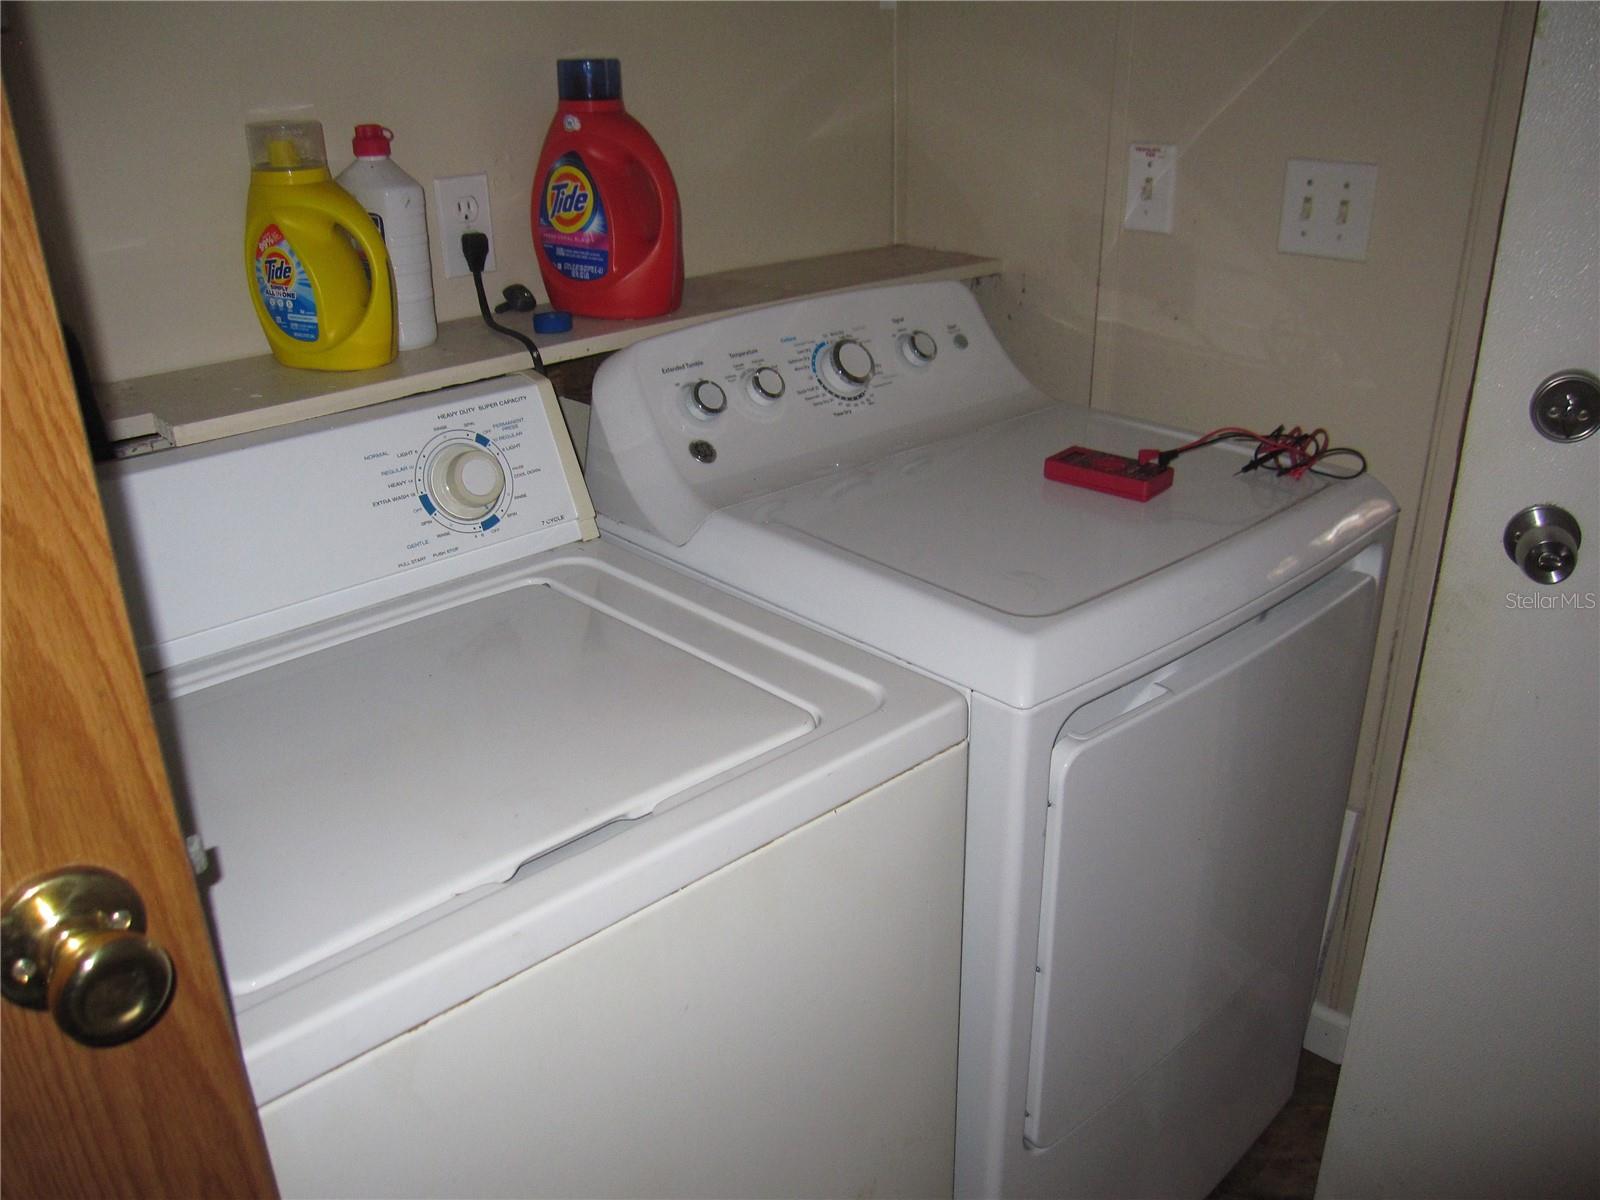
[{"x": 170, "y": 1113}]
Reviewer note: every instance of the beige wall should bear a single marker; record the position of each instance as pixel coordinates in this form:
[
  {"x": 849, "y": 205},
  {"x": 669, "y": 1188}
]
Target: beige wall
[
  {"x": 777, "y": 120},
  {"x": 1213, "y": 326},
  {"x": 1005, "y": 110},
  {"x": 1017, "y": 121}
]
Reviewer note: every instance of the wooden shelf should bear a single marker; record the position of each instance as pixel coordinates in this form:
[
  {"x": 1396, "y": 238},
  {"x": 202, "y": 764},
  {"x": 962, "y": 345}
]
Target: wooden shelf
[{"x": 181, "y": 408}]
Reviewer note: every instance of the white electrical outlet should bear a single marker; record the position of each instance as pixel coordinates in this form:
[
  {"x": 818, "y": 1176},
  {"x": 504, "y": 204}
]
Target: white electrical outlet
[
  {"x": 1327, "y": 208},
  {"x": 1152, "y": 187},
  {"x": 462, "y": 206}
]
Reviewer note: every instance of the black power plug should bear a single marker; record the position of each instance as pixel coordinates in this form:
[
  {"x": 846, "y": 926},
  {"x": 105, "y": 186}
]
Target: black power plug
[
  {"x": 475, "y": 249},
  {"x": 518, "y": 298}
]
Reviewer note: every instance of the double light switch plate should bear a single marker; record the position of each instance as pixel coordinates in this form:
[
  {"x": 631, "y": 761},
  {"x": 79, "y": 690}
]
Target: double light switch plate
[{"x": 1327, "y": 208}]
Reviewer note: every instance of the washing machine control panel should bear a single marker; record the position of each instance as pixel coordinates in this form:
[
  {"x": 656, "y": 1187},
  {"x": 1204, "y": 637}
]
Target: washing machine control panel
[
  {"x": 478, "y": 463},
  {"x": 258, "y": 530},
  {"x": 798, "y": 389}
]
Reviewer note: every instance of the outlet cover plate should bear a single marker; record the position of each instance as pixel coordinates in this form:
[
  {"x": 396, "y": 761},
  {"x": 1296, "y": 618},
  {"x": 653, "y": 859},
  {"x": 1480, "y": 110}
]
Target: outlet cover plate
[
  {"x": 461, "y": 205},
  {"x": 1327, "y": 208},
  {"x": 1152, "y": 187}
]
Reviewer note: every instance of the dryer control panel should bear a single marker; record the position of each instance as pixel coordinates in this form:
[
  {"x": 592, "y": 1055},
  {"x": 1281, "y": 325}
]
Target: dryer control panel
[
  {"x": 255, "y": 535},
  {"x": 704, "y": 417}
]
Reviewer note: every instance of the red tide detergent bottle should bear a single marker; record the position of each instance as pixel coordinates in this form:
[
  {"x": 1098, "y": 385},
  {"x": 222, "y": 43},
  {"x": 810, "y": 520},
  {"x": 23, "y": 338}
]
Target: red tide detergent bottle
[{"x": 606, "y": 224}]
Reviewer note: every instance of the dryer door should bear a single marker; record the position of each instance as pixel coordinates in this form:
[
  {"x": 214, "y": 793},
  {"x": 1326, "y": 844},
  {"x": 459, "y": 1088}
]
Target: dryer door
[{"x": 1194, "y": 822}]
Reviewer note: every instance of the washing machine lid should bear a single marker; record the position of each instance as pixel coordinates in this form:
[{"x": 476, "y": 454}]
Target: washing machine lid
[
  {"x": 366, "y": 787},
  {"x": 359, "y": 780},
  {"x": 961, "y": 557}
]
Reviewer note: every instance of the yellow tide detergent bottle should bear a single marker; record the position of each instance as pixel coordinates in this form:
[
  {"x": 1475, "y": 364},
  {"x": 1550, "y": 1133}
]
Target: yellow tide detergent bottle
[{"x": 319, "y": 273}]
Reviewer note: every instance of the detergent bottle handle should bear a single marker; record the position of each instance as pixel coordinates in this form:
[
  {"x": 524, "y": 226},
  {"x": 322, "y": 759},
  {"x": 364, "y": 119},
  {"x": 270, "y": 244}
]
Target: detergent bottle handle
[
  {"x": 365, "y": 233},
  {"x": 667, "y": 237}
]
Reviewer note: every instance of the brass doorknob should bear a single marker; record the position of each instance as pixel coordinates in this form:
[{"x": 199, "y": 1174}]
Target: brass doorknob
[{"x": 73, "y": 942}]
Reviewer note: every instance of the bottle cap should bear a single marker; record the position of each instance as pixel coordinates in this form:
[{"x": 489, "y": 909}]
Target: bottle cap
[
  {"x": 372, "y": 141},
  {"x": 285, "y": 145},
  {"x": 589, "y": 78},
  {"x": 552, "y": 320}
]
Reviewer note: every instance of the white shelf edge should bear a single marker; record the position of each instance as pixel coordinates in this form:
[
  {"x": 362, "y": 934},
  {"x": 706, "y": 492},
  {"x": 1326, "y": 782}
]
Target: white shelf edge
[{"x": 220, "y": 400}]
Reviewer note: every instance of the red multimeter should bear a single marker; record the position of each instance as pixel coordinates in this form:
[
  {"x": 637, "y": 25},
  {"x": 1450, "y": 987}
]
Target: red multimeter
[{"x": 1111, "y": 473}]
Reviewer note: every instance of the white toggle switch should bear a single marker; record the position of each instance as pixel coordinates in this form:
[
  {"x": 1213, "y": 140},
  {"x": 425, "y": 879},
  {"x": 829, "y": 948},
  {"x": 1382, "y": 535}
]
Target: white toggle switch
[
  {"x": 1152, "y": 184},
  {"x": 1327, "y": 208}
]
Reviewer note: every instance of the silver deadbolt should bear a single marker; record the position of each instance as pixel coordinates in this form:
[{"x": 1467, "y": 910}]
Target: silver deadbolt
[
  {"x": 1566, "y": 408},
  {"x": 1543, "y": 541}
]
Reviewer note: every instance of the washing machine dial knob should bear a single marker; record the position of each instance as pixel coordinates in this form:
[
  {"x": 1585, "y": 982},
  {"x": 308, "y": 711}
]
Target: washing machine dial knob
[
  {"x": 766, "y": 384},
  {"x": 707, "y": 399},
  {"x": 466, "y": 481},
  {"x": 918, "y": 347},
  {"x": 847, "y": 367}
]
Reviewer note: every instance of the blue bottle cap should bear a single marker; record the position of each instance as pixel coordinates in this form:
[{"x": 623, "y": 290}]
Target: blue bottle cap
[
  {"x": 589, "y": 78},
  {"x": 552, "y": 320}
]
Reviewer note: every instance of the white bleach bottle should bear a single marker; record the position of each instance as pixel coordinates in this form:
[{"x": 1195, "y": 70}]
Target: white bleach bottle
[{"x": 395, "y": 202}]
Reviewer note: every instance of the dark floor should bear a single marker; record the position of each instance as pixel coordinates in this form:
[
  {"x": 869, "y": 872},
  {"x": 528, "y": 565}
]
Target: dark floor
[{"x": 1283, "y": 1163}]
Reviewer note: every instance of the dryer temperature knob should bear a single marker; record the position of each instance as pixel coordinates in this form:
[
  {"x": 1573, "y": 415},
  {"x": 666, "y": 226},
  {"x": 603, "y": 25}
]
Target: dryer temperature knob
[{"x": 766, "y": 384}]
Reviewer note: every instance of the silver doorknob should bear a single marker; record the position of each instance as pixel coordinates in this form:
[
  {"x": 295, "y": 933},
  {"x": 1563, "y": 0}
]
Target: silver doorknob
[
  {"x": 1543, "y": 541},
  {"x": 73, "y": 942}
]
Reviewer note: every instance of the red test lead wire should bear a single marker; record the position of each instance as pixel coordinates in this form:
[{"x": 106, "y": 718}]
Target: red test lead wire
[{"x": 1292, "y": 452}]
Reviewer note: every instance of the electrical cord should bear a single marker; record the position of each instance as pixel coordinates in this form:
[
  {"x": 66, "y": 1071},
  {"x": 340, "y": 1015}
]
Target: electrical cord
[
  {"x": 1292, "y": 452},
  {"x": 475, "y": 248}
]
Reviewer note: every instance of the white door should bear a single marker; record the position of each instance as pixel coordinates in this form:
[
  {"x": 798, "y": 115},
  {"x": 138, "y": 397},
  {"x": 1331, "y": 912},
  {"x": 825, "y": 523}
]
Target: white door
[{"x": 1474, "y": 1050}]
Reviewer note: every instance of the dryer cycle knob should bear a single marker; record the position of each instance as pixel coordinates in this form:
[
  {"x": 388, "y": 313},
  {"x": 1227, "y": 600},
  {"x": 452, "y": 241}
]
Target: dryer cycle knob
[
  {"x": 847, "y": 367},
  {"x": 707, "y": 399}
]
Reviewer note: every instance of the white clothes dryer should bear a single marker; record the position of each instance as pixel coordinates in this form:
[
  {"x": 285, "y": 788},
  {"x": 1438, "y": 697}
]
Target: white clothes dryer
[
  {"x": 536, "y": 868},
  {"x": 1165, "y": 699}
]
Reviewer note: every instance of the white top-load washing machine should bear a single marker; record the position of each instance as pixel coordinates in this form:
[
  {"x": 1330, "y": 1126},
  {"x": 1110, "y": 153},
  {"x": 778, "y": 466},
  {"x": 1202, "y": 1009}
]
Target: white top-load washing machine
[
  {"x": 537, "y": 868},
  {"x": 1165, "y": 699}
]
